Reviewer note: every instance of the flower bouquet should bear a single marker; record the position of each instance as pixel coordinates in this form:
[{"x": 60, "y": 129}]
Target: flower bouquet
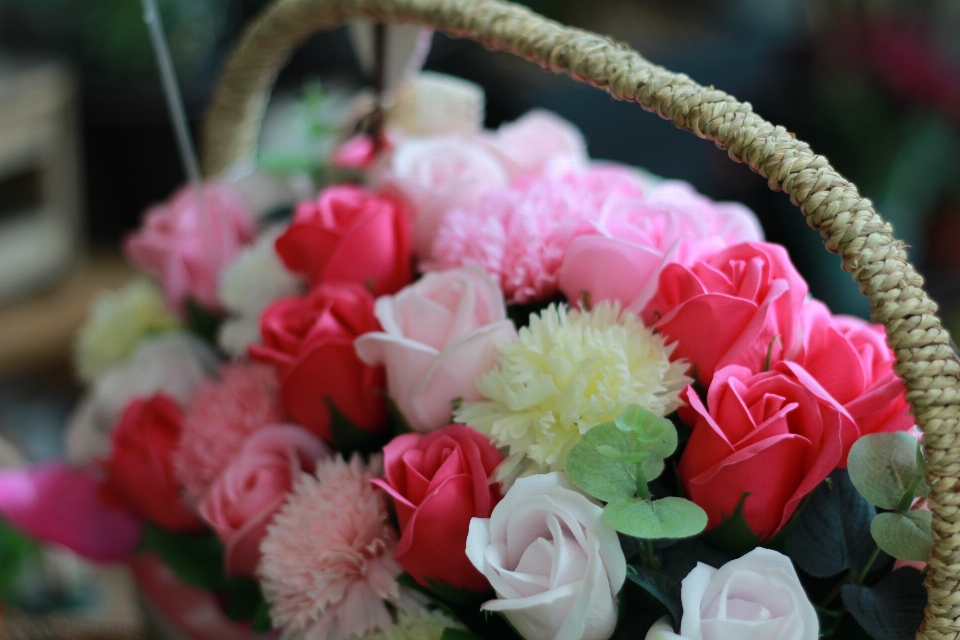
[{"x": 491, "y": 388}]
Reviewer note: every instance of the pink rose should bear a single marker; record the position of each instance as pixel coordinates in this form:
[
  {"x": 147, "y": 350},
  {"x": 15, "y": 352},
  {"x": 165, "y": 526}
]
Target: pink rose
[
  {"x": 439, "y": 336},
  {"x": 521, "y": 235},
  {"x": 638, "y": 237},
  {"x": 850, "y": 359},
  {"x": 186, "y": 247},
  {"x": 438, "y": 483},
  {"x": 350, "y": 235},
  {"x": 732, "y": 308},
  {"x": 437, "y": 175},
  {"x": 245, "y": 497},
  {"x": 766, "y": 434},
  {"x": 528, "y": 144}
]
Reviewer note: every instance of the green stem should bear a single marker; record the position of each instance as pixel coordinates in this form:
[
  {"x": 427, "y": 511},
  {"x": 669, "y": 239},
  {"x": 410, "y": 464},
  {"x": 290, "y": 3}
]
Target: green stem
[
  {"x": 866, "y": 568},
  {"x": 652, "y": 561},
  {"x": 642, "y": 489},
  {"x": 907, "y": 499}
]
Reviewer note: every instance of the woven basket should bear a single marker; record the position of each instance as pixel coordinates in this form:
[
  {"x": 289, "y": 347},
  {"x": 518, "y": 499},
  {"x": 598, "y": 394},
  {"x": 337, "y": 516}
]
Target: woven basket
[{"x": 926, "y": 357}]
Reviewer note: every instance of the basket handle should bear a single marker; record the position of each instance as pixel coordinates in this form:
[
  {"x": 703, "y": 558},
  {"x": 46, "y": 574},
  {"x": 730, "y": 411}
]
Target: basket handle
[{"x": 926, "y": 359}]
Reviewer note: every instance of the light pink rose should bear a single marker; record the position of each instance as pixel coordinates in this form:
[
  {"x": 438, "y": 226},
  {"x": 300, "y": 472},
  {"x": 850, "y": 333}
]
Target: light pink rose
[
  {"x": 437, "y": 175},
  {"x": 245, "y": 497},
  {"x": 186, "y": 247},
  {"x": 638, "y": 237},
  {"x": 732, "y": 308},
  {"x": 521, "y": 235},
  {"x": 439, "y": 336},
  {"x": 850, "y": 359},
  {"x": 528, "y": 144}
]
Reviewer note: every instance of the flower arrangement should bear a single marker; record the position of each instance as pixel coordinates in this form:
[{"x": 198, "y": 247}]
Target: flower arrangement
[{"x": 496, "y": 389}]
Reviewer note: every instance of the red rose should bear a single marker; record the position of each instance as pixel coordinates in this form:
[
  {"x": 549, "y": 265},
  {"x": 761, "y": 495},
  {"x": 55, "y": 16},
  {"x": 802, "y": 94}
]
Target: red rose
[
  {"x": 350, "y": 235},
  {"x": 851, "y": 361},
  {"x": 309, "y": 341},
  {"x": 245, "y": 497},
  {"x": 765, "y": 434},
  {"x": 140, "y": 467},
  {"x": 727, "y": 309},
  {"x": 439, "y": 482}
]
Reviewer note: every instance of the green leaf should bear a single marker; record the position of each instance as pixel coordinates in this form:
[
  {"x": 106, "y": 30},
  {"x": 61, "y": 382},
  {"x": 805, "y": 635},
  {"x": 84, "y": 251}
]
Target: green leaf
[
  {"x": 203, "y": 323},
  {"x": 906, "y": 536},
  {"x": 665, "y": 518},
  {"x": 883, "y": 466},
  {"x": 600, "y": 476},
  {"x": 832, "y": 532},
  {"x": 197, "y": 559},
  {"x": 733, "y": 534},
  {"x": 892, "y": 609},
  {"x": 681, "y": 558},
  {"x": 459, "y": 634},
  {"x": 455, "y": 595},
  {"x": 348, "y": 437},
  {"x": 665, "y": 589},
  {"x": 261, "y": 618},
  {"x": 243, "y": 598},
  {"x": 656, "y": 434}
]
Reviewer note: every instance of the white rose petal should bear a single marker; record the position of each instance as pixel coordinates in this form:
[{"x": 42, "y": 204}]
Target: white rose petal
[{"x": 553, "y": 561}]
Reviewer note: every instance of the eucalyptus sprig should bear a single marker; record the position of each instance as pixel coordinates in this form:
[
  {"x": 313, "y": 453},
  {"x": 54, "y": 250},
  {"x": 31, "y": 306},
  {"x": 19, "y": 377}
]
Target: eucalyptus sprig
[{"x": 616, "y": 461}]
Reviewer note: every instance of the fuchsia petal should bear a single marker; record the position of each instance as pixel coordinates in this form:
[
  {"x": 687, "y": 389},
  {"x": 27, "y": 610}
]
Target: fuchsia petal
[{"x": 57, "y": 503}]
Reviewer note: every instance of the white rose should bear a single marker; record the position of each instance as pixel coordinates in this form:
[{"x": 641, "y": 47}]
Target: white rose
[
  {"x": 553, "y": 561},
  {"x": 248, "y": 285},
  {"x": 439, "y": 335},
  {"x": 435, "y": 104},
  {"x": 758, "y": 596},
  {"x": 174, "y": 363}
]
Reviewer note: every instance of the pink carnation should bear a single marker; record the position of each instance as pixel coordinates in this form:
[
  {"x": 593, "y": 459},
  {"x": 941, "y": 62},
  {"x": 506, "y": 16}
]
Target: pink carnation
[
  {"x": 327, "y": 564},
  {"x": 520, "y": 236},
  {"x": 220, "y": 418}
]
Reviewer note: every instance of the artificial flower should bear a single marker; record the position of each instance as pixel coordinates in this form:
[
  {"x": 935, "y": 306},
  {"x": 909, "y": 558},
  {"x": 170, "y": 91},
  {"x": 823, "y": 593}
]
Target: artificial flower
[
  {"x": 637, "y": 237},
  {"x": 553, "y": 561},
  {"x": 749, "y": 295},
  {"x": 530, "y": 143},
  {"x": 327, "y": 569},
  {"x": 222, "y": 416},
  {"x": 186, "y": 242},
  {"x": 757, "y": 596},
  {"x": 520, "y": 236},
  {"x": 248, "y": 285},
  {"x": 246, "y": 495},
  {"x": 438, "y": 482},
  {"x": 309, "y": 340},
  {"x": 140, "y": 467},
  {"x": 567, "y": 372},
  {"x": 174, "y": 363},
  {"x": 349, "y": 235},
  {"x": 117, "y": 322},
  {"x": 439, "y": 336},
  {"x": 420, "y": 624}
]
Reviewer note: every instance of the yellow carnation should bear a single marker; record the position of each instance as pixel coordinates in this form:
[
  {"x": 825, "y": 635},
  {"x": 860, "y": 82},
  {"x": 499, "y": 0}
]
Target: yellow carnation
[
  {"x": 566, "y": 373},
  {"x": 421, "y": 624},
  {"x": 118, "y": 320}
]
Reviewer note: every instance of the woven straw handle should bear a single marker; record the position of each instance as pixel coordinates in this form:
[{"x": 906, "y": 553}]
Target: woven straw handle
[{"x": 926, "y": 359}]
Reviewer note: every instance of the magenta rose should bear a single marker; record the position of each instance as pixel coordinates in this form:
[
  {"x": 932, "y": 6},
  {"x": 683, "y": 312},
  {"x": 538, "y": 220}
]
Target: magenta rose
[
  {"x": 439, "y": 482},
  {"x": 245, "y": 497},
  {"x": 186, "y": 246},
  {"x": 350, "y": 235},
  {"x": 766, "y": 434},
  {"x": 637, "y": 237},
  {"x": 732, "y": 308},
  {"x": 851, "y": 361}
]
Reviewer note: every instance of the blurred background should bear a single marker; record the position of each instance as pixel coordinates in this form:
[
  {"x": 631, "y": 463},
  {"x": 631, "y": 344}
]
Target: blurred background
[{"x": 86, "y": 145}]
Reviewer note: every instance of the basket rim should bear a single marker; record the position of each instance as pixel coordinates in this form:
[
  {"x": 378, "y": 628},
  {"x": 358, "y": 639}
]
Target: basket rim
[{"x": 927, "y": 360}]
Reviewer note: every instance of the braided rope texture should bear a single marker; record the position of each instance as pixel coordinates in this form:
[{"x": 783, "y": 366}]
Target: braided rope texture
[{"x": 926, "y": 358}]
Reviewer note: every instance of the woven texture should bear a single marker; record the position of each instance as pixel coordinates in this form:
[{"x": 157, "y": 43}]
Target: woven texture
[{"x": 927, "y": 360}]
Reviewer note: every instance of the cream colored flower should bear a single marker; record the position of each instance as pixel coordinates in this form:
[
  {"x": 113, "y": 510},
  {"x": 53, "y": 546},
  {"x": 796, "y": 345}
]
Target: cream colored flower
[
  {"x": 566, "y": 373},
  {"x": 118, "y": 320},
  {"x": 421, "y": 624}
]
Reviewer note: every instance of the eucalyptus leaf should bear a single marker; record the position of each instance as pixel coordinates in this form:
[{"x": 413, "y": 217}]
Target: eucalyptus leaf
[
  {"x": 665, "y": 518},
  {"x": 656, "y": 434},
  {"x": 892, "y": 609},
  {"x": 602, "y": 476},
  {"x": 832, "y": 532},
  {"x": 883, "y": 466},
  {"x": 905, "y": 536}
]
